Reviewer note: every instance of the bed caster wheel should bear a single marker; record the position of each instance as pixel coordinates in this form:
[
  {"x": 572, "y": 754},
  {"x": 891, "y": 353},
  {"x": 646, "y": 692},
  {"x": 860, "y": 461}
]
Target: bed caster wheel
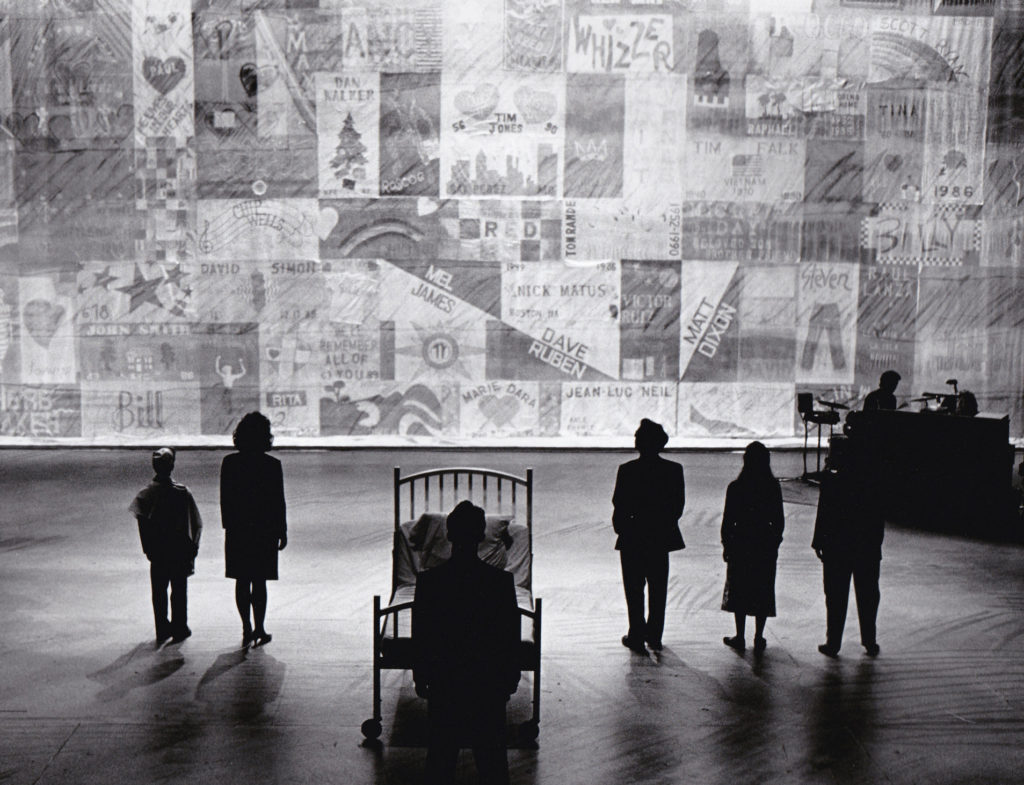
[
  {"x": 371, "y": 729},
  {"x": 530, "y": 730}
]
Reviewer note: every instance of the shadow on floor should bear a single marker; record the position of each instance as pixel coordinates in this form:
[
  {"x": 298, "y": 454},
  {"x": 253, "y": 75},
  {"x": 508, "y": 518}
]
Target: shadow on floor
[
  {"x": 408, "y": 720},
  {"x": 144, "y": 665},
  {"x": 842, "y": 720},
  {"x": 242, "y": 683}
]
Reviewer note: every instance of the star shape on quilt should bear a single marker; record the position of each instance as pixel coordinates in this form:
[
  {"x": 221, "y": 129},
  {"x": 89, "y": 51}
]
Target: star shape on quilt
[
  {"x": 142, "y": 290},
  {"x": 436, "y": 350},
  {"x": 175, "y": 275},
  {"x": 104, "y": 279}
]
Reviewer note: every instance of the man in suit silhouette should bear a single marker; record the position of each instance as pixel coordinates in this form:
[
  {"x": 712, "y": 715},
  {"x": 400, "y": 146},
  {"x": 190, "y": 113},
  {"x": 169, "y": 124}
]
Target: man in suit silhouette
[
  {"x": 848, "y": 533},
  {"x": 465, "y": 634},
  {"x": 648, "y": 500}
]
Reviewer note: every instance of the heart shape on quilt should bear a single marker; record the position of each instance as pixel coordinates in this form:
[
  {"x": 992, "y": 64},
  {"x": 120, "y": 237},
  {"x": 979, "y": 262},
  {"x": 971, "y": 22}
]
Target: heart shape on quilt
[
  {"x": 893, "y": 162},
  {"x": 248, "y": 75},
  {"x": 478, "y": 103},
  {"x": 537, "y": 106},
  {"x": 499, "y": 409},
  {"x": 326, "y": 222},
  {"x": 42, "y": 318},
  {"x": 164, "y": 73}
]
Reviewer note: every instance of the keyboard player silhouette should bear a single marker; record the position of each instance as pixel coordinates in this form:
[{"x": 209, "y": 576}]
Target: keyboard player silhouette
[{"x": 885, "y": 396}]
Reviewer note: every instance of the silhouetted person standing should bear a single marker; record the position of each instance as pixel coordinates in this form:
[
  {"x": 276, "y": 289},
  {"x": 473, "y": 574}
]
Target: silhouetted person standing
[
  {"x": 885, "y": 396},
  {"x": 848, "y": 534},
  {"x": 752, "y": 528},
  {"x": 648, "y": 500},
  {"x": 465, "y": 633},
  {"x": 169, "y": 528},
  {"x": 252, "y": 510}
]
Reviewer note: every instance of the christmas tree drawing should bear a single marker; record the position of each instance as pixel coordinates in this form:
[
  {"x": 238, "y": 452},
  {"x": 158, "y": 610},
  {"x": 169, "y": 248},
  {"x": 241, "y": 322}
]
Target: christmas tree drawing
[{"x": 349, "y": 153}]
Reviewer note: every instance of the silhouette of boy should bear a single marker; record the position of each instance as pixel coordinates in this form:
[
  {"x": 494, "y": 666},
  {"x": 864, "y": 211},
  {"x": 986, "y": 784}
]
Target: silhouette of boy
[
  {"x": 648, "y": 500},
  {"x": 169, "y": 528},
  {"x": 848, "y": 533},
  {"x": 465, "y": 634}
]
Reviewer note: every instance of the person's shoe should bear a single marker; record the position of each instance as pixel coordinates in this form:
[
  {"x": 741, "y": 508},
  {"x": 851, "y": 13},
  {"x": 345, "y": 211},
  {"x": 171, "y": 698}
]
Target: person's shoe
[
  {"x": 829, "y": 650},
  {"x": 633, "y": 646},
  {"x": 872, "y": 649},
  {"x": 180, "y": 635},
  {"x": 262, "y": 638},
  {"x": 760, "y": 644},
  {"x": 247, "y": 638},
  {"x": 655, "y": 645},
  {"x": 163, "y": 632},
  {"x": 735, "y": 642}
]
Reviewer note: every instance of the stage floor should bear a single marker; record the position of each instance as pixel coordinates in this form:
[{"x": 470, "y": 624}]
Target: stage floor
[{"x": 86, "y": 698}]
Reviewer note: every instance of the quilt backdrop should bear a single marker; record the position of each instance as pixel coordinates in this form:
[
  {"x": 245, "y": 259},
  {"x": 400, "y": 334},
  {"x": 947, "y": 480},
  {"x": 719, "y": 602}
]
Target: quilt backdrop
[{"x": 455, "y": 220}]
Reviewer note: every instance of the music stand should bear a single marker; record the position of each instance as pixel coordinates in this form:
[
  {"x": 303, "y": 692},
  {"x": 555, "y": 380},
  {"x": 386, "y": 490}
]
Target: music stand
[{"x": 829, "y": 417}]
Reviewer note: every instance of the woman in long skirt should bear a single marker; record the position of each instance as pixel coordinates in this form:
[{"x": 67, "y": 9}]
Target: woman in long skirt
[
  {"x": 751, "y": 533},
  {"x": 252, "y": 510}
]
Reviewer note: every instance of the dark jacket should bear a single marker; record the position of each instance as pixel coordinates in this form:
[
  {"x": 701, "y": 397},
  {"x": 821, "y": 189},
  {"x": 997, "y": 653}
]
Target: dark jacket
[
  {"x": 465, "y": 631},
  {"x": 169, "y": 524},
  {"x": 252, "y": 510},
  {"x": 879, "y": 399},
  {"x": 850, "y": 524},
  {"x": 649, "y": 497},
  {"x": 753, "y": 521}
]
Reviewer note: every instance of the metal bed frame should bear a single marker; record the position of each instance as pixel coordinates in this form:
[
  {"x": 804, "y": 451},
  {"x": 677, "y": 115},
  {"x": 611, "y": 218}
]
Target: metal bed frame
[{"x": 495, "y": 492}]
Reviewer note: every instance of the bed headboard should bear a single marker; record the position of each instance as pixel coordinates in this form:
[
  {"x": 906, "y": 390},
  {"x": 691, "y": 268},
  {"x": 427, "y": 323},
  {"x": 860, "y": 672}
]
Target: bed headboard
[{"x": 439, "y": 490}]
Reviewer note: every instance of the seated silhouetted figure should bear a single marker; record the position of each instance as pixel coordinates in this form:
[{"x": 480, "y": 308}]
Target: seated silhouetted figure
[
  {"x": 848, "y": 534},
  {"x": 169, "y": 528},
  {"x": 465, "y": 632},
  {"x": 885, "y": 396}
]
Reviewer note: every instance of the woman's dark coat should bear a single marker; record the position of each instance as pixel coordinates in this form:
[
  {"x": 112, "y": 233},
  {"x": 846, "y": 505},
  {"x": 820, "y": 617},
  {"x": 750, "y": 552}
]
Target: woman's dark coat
[
  {"x": 252, "y": 510},
  {"x": 752, "y": 526}
]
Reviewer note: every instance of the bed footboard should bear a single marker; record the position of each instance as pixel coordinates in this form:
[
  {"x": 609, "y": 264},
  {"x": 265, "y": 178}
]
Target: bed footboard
[{"x": 399, "y": 656}]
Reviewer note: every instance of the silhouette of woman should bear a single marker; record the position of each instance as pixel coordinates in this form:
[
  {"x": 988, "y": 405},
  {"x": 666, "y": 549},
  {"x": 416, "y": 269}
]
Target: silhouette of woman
[
  {"x": 751, "y": 533},
  {"x": 252, "y": 511}
]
